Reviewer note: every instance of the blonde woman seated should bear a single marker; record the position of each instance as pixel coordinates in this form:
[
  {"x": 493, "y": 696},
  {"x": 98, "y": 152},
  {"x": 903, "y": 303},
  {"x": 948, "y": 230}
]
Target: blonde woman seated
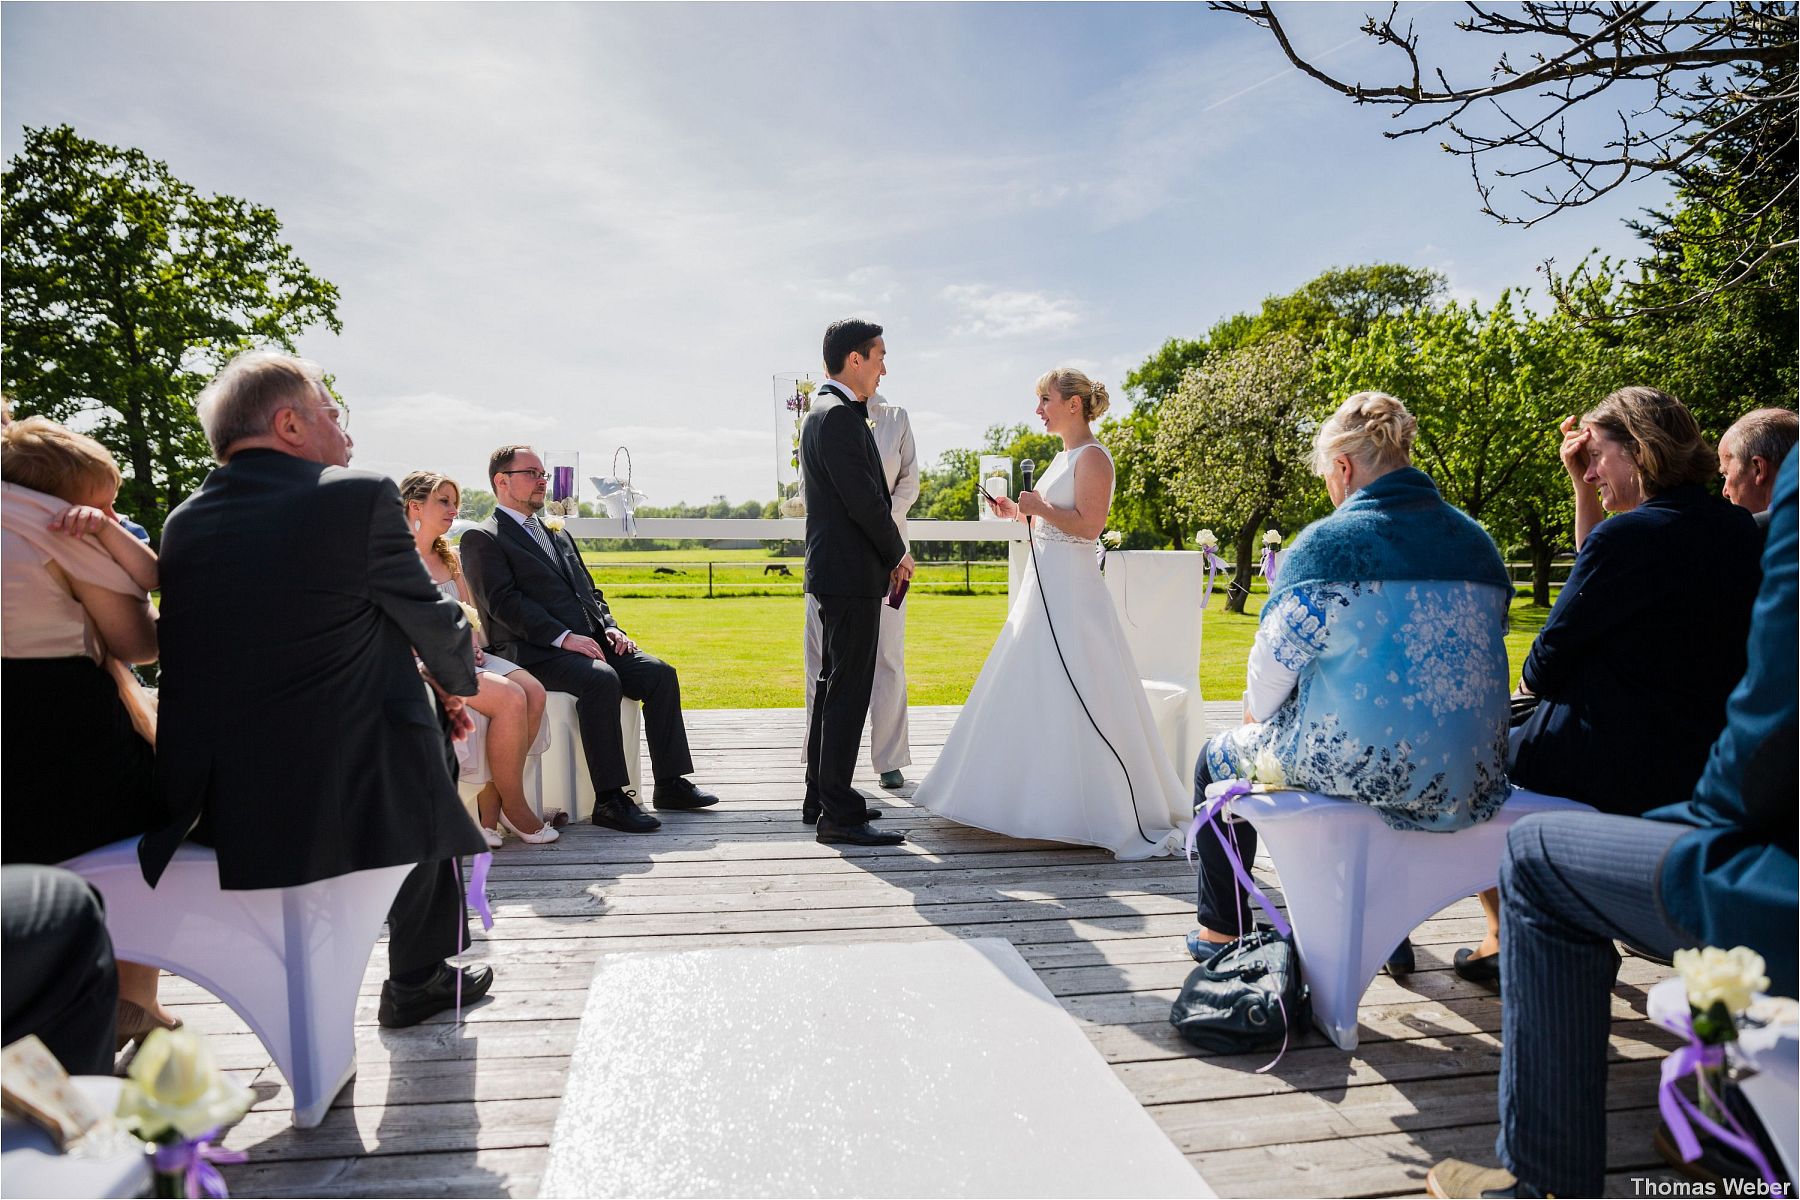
[
  {"x": 76, "y": 762},
  {"x": 510, "y": 699},
  {"x": 1379, "y": 668}
]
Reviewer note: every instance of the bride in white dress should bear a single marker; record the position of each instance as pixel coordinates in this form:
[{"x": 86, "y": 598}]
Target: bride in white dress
[{"x": 1029, "y": 755}]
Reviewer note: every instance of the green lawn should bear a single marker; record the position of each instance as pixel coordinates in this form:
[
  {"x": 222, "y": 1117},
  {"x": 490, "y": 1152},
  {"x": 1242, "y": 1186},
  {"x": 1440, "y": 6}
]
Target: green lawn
[{"x": 744, "y": 651}]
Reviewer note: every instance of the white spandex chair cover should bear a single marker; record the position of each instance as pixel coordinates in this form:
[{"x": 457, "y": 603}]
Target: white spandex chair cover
[
  {"x": 1157, "y": 595},
  {"x": 563, "y": 773},
  {"x": 1355, "y": 887},
  {"x": 289, "y": 961}
]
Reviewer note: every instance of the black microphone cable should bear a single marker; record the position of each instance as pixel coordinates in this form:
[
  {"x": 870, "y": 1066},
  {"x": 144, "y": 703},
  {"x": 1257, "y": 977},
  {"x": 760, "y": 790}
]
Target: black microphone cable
[{"x": 1044, "y": 595}]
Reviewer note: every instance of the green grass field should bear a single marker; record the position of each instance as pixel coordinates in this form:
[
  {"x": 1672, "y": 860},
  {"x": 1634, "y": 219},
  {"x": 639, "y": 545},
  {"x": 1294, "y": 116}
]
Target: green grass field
[{"x": 745, "y": 651}]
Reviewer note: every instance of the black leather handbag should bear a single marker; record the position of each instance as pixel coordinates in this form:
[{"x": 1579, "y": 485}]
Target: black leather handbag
[{"x": 1247, "y": 995}]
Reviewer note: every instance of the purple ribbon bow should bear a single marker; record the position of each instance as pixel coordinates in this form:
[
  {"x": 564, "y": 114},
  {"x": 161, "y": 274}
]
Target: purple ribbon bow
[
  {"x": 1210, "y": 559},
  {"x": 1268, "y": 565},
  {"x": 1680, "y": 1113},
  {"x": 195, "y": 1158}
]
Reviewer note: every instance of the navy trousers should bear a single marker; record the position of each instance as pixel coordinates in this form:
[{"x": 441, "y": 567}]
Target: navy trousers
[{"x": 1570, "y": 885}]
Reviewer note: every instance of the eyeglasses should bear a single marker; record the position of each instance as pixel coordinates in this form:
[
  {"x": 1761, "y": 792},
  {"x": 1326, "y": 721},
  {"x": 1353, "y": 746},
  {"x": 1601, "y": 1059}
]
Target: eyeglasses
[
  {"x": 539, "y": 476},
  {"x": 340, "y": 416}
]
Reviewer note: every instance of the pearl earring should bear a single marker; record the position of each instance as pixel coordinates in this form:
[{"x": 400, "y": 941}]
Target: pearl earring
[{"x": 416, "y": 525}]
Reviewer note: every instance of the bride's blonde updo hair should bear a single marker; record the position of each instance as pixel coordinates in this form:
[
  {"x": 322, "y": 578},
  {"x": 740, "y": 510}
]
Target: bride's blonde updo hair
[
  {"x": 1068, "y": 381},
  {"x": 1372, "y": 428},
  {"x": 417, "y": 488}
]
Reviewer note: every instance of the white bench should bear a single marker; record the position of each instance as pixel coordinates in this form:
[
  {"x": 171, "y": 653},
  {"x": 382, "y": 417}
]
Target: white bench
[
  {"x": 289, "y": 961},
  {"x": 564, "y": 780},
  {"x": 1355, "y": 887}
]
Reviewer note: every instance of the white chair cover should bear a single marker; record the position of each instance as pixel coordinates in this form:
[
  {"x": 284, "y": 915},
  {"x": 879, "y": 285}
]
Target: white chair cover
[
  {"x": 1355, "y": 887},
  {"x": 565, "y": 781},
  {"x": 1157, "y": 595},
  {"x": 289, "y": 961}
]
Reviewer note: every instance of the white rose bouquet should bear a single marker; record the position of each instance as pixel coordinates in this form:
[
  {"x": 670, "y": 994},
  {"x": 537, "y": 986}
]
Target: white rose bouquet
[
  {"x": 1272, "y": 538},
  {"x": 1206, "y": 539},
  {"x": 1112, "y": 539},
  {"x": 1720, "y": 985}
]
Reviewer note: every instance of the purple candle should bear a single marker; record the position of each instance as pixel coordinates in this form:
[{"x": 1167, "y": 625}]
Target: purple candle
[{"x": 562, "y": 484}]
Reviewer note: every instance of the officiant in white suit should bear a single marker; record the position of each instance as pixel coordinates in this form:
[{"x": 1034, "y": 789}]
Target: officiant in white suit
[{"x": 890, "y": 745}]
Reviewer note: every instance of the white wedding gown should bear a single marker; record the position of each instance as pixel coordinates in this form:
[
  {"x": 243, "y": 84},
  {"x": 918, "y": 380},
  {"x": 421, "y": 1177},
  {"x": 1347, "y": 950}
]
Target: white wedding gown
[{"x": 1023, "y": 758}]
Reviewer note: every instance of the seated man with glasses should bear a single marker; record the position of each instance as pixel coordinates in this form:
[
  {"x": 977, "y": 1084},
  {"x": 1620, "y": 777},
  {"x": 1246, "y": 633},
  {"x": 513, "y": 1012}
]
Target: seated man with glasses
[{"x": 540, "y": 609}]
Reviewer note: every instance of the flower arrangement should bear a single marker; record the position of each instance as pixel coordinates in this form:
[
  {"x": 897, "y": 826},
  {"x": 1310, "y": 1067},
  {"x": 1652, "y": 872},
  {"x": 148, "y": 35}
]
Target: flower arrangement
[
  {"x": 1272, "y": 538},
  {"x": 1719, "y": 986},
  {"x": 800, "y": 403},
  {"x": 1267, "y": 769},
  {"x": 470, "y": 612},
  {"x": 1112, "y": 539},
  {"x": 1206, "y": 540},
  {"x": 175, "y": 1099},
  {"x": 1208, "y": 543}
]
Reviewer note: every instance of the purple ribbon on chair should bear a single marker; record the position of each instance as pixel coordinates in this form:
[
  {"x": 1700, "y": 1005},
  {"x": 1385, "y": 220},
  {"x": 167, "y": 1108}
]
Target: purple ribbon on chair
[
  {"x": 194, "y": 1159},
  {"x": 1213, "y": 564},
  {"x": 477, "y": 896},
  {"x": 1267, "y": 567},
  {"x": 1680, "y": 1113},
  {"x": 1208, "y": 813}
]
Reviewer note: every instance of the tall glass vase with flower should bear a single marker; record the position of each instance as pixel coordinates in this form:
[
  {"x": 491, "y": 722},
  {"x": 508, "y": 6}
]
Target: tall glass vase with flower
[{"x": 793, "y": 400}]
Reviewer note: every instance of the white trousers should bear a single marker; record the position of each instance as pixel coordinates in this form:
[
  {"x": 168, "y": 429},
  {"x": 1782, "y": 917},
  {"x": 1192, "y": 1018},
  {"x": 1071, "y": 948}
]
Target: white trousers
[{"x": 890, "y": 745}]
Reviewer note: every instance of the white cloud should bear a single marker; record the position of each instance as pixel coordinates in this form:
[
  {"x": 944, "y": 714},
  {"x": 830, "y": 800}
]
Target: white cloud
[{"x": 985, "y": 312}]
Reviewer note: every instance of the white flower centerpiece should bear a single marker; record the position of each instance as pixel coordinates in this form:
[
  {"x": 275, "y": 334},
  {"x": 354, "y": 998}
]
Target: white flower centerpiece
[{"x": 176, "y": 1101}]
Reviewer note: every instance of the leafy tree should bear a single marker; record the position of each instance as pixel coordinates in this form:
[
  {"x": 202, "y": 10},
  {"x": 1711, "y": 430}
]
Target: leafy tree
[
  {"x": 1232, "y": 443},
  {"x": 1142, "y": 509},
  {"x": 125, "y": 289},
  {"x": 477, "y": 504}
]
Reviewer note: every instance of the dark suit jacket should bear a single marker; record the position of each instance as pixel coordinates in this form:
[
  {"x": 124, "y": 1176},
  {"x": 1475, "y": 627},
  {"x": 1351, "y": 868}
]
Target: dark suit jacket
[
  {"x": 1732, "y": 880},
  {"x": 1633, "y": 668},
  {"x": 527, "y": 597},
  {"x": 852, "y": 546},
  {"x": 294, "y": 727}
]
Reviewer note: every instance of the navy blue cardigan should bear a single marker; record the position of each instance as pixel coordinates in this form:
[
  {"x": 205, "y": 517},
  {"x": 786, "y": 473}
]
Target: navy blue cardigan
[
  {"x": 1732, "y": 880},
  {"x": 1640, "y": 653}
]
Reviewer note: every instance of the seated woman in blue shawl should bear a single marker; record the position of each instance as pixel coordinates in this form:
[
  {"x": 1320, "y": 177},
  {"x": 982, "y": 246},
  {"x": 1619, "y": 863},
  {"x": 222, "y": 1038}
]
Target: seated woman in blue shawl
[{"x": 1379, "y": 669}]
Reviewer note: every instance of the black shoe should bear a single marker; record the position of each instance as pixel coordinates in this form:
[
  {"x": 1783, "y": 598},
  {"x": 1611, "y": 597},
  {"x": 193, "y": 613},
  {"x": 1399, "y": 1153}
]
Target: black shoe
[
  {"x": 1484, "y": 969},
  {"x": 809, "y": 814},
  {"x": 615, "y": 810},
  {"x": 680, "y": 795},
  {"x": 403, "y": 1006},
  {"x": 1401, "y": 961},
  {"x": 856, "y": 835}
]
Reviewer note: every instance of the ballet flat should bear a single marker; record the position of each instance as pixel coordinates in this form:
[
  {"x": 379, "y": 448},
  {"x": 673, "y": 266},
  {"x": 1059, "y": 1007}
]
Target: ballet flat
[{"x": 542, "y": 837}]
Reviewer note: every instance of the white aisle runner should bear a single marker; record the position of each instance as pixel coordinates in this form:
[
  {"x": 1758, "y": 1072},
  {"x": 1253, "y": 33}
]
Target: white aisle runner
[{"x": 940, "y": 1068}]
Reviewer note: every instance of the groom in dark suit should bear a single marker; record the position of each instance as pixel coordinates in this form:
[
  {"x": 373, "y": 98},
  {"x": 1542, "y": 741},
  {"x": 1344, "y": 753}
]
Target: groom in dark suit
[
  {"x": 542, "y": 611},
  {"x": 854, "y": 555},
  {"x": 295, "y": 735}
]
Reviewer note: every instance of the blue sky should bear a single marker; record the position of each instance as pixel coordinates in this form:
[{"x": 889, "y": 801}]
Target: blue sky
[{"x": 604, "y": 224}]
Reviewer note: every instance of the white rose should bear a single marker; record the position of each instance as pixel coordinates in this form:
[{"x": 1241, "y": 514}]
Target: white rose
[
  {"x": 553, "y": 524},
  {"x": 1205, "y": 538},
  {"x": 1712, "y": 975},
  {"x": 474, "y": 616},
  {"x": 173, "y": 1084},
  {"x": 1267, "y": 770},
  {"x": 1113, "y": 538},
  {"x": 1272, "y": 538}
]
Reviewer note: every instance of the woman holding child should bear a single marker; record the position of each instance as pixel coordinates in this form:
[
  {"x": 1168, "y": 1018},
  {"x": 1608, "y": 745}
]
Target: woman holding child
[
  {"x": 1379, "y": 671},
  {"x": 77, "y": 741},
  {"x": 511, "y": 699}
]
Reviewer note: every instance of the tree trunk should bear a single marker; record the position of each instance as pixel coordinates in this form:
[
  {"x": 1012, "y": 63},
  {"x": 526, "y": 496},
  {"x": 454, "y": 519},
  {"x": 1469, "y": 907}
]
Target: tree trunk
[
  {"x": 1541, "y": 553},
  {"x": 1245, "y": 549}
]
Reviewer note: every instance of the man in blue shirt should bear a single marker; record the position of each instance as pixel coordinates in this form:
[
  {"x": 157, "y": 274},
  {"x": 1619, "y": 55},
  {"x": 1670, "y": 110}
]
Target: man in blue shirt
[{"x": 1715, "y": 870}]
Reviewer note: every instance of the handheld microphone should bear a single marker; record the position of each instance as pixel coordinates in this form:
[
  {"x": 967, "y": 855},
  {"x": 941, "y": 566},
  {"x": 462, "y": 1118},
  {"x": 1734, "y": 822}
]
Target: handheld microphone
[{"x": 1027, "y": 469}]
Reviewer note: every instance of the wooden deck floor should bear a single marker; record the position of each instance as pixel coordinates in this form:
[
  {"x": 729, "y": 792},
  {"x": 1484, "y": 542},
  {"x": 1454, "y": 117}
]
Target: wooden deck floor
[{"x": 467, "y": 1111}]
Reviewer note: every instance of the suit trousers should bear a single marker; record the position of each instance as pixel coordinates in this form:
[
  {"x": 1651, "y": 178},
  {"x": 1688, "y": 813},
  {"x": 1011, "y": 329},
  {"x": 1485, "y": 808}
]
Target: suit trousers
[
  {"x": 429, "y": 920},
  {"x": 60, "y": 981},
  {"x": 597, "y": 684},
  {"x": 1571, "y": 883},
  {"x": 1224, "y": 906},
  {"x": 890, "y": 744},
  {"x": 850, "y": 631}
]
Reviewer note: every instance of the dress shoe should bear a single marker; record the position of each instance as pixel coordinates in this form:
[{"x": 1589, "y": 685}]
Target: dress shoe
[
  {"x": 1453, "y": 1178},
  {"x": 809, "y": 814},
  {"x": 615, "y": 810},
  {"x": 1401, "y": 961},
  {"x": 546, "y": 833},
  {"x": 856, "y": 835},
  {"x": 402, "y": 1006},
  {"x": 135, "y": 1023},
  {"x": 680, "y": 795},
  {"x": 1483, "y": 969},
  {"x": 893, "y": 780}
]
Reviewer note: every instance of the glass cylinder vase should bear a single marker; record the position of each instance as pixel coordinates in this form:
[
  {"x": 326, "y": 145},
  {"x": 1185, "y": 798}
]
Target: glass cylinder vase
[{"x": 793, "y": 400}]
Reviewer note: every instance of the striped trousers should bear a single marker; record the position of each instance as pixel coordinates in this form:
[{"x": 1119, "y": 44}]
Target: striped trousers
[{"x": 1570, "y": 885}]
